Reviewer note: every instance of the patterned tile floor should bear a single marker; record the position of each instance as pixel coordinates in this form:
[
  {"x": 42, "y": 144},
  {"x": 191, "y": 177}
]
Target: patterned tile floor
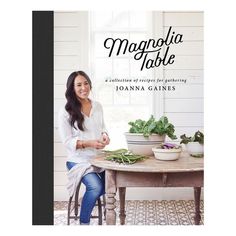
[{"x": 143, "y": 213}]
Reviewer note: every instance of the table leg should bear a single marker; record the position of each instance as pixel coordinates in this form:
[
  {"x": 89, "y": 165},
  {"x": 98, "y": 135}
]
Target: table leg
[
  {"x": 197, "y": 194},
  {"x": 122, "y": 215},
  {"x": 110, "y": 197}
]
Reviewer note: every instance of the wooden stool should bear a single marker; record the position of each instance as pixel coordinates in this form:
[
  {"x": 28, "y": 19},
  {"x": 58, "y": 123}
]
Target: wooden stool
[{"x": 99, "y": 204}]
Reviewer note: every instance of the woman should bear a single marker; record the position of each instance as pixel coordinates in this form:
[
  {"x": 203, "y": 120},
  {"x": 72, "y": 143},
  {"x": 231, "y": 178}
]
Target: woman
[{"x": 82, "y": 130}]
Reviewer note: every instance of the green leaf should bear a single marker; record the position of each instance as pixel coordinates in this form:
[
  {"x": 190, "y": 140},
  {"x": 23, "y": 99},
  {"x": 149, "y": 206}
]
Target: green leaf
[
  {"x": 152, "y": 126},
  {"x": 198, "y": 137}
]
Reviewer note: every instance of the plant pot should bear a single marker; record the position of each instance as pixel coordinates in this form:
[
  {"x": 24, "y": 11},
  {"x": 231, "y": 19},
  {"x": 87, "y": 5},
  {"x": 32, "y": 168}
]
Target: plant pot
[
  {"x": 138, "y": 144},
  {"x": 195, "y": 149}
]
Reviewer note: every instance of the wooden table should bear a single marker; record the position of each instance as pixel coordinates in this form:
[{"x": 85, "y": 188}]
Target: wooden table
[{"x": 187, "y": 171}]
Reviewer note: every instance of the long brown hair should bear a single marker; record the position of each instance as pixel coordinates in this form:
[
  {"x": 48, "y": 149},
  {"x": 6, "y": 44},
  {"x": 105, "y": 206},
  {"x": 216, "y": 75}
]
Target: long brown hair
[{"x": 73, "y": 105}]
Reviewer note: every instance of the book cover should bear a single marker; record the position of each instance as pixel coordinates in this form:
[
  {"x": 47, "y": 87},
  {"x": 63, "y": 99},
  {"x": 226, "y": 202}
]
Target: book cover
[{"x": 141, "y": 64}]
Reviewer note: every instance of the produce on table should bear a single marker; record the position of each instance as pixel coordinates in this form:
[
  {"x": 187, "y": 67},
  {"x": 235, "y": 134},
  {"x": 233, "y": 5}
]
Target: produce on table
[
  {"x": 198, "y": 137},
  {"x": 197, "y": 155},
  {"x": 194, "y": 144},
  {"x": 169, "y": 146},
  {"x": 123, "y": 156},
  {"x": 152, "y": 126}
]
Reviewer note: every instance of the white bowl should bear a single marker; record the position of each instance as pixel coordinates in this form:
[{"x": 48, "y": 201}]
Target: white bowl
[
  {"x": 166, "y": 154},
  {"x": 195, "y": 148},
  {"x": 138, "y": 144}
]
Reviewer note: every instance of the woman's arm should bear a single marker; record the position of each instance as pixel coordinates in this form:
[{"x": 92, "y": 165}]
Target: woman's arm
[
  {"x": 67, "y": 138},
  {"x": 97, "y": 144},
  {"x": 105, "y": 137},
  {"x": 65, "y": 131}
]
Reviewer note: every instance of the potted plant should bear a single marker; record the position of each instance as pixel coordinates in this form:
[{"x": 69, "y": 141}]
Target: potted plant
[
  {"x": 194, "y": 144},
  {"x": 145, "y": 135}
]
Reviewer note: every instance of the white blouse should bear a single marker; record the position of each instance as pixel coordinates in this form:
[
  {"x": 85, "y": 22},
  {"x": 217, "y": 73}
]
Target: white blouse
[{"x": 94, "y": 126}]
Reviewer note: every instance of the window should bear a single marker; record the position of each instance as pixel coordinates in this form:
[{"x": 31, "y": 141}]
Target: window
[{"x": 120, "y": 107}]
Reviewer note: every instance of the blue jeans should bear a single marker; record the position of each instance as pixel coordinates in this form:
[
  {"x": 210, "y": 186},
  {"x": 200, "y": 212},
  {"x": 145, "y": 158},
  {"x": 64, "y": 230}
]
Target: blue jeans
[{"x": 95, "y": 187}]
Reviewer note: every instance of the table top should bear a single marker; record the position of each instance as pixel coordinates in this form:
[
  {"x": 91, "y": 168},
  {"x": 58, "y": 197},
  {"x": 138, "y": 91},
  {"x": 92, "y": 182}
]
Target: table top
[{"x": 185, "y": 163}]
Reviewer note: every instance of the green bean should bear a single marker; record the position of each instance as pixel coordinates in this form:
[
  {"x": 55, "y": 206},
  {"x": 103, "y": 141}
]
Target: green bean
[
  {"x": 122, "y": 150},
  {"x": 123, "y": 156}
]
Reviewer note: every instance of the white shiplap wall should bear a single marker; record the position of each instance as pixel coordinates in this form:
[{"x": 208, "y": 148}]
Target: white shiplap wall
[
  {"x": 184, "y": 107},
  {"x": 70, "y": 54}
]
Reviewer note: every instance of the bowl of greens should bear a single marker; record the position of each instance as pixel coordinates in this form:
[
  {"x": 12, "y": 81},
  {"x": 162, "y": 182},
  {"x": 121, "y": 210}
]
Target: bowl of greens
[
  {"x": 167, "y": 152},
  {"x": 194, "y": 144},
  {"x": 144, "y": 135}
]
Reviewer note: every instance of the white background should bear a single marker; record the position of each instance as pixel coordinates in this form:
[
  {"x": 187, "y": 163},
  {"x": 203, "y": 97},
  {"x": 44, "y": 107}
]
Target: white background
[{"x": 16, "y": 116}]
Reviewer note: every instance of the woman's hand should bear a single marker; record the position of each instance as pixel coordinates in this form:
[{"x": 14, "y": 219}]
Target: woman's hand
[
  {"x": 96, "y": 144},
  {"x": 105, "y": 139}
]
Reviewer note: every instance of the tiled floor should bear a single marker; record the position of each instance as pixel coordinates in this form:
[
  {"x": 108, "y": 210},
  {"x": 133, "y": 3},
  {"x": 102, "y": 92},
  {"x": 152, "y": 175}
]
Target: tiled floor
[{"x": 143, "y": 213}]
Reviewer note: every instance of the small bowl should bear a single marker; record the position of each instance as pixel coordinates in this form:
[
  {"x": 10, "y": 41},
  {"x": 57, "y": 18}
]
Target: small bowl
[
  {"x": 167, "y": 154},
  {"x": 195, "y": 149}
]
